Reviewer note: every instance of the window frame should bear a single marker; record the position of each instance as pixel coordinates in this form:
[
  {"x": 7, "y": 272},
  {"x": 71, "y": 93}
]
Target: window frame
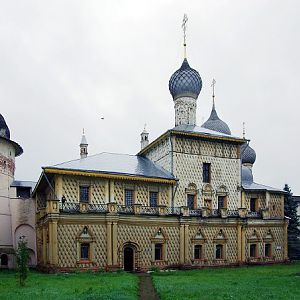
[
  {"x": 200, "y": 253},
  {"x": 206, "y": 172},
  {"x": 156, "y": 200},
  {"x": 88, "y": 193},
  {"x": 127, "y": 204},
  {"x": 269, "y": 250},
  {"x": 255, "y": 204},
  {"x": 161, "y": 256},
  {"x": 222, "y": 251},
  {"x": 194, "y": 200},
  {"x": 255, "y": 250},
  {"x": 224, "y": 198},
  {"x": 88, "y": 258}
]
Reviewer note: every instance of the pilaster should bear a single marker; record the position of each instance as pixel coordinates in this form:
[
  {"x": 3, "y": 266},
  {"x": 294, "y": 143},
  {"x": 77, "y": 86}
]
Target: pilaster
[{"x": 109, "y": 243}]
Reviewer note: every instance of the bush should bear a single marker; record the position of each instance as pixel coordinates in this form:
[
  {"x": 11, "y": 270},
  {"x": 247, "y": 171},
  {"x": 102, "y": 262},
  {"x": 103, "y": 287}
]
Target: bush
[{"x": 22, "y": 254}]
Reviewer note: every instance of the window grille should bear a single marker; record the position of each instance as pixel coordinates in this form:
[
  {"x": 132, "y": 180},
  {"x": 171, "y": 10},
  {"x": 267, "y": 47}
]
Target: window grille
[
  {"x": 128, "y": 197},
  {"x": 84, "y": 194},
  {"x": 153, "y": 199}
]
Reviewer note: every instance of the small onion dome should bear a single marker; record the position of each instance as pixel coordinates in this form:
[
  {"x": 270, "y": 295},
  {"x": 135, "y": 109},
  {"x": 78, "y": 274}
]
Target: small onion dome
[
  {"x": 185, "y": 82},
  {"x": 215, "y": 123},
  {"x": 4, "y": 130},
  {"x": 5, "y": 135},
  {"x": 248, "y": 155},
  {"x": 247, "y": 176}
]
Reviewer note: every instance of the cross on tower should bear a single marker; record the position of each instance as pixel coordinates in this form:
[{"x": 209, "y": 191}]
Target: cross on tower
[{"x": 184, "y": 26}]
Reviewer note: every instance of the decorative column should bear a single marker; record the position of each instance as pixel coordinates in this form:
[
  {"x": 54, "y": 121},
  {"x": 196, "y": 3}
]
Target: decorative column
[
  {"x": 115, "y": 243},
  {"x": 109, "y": 243},
  {"x": 53, "y": 257},
  {"x": 44, "y": 253},
  {"x": 239, "y": 241},
  {"x": 186, "y": 244},
  {"x": 181, "y": 248},
  {"x": 243, "y": 245},
  {"x": 58, "y": 187},
  {"x": 112, "y": 191},
  {"x": 106, "y": 191},
  {"x": 285, "y": 239}
]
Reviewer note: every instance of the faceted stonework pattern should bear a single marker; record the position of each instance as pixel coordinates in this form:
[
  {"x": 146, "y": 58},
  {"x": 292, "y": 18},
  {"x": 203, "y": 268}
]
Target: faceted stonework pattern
[
  {"x": 70, "y": 188},
  {"x": 98, "y": 191},
  {"x": 119, "y": 192},
  {"x": 161, "y": 154},
  {"x": 224, "y": 172},
  {"x": 260, "y": 196},
  {"x": 164, "y": 196},
  {"x": 277, "y": 242},
  {"x": 67, "y": 244},
  {"x": 276, "y": 205},
  {"x": 142, "y": 194},
  {"x": 141, "y": 235},
  {"x": 209, "y": 249}
]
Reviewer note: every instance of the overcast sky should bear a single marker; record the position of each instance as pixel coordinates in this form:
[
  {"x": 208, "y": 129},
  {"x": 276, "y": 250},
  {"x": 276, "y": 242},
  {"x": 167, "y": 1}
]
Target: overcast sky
[{"x": 65, "y": 64}]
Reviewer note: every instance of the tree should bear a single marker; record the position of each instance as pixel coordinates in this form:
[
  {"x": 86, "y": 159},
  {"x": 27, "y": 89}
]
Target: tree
[
  {"x": 22, "y": 260},
  {"x": 290, "y": 211}
]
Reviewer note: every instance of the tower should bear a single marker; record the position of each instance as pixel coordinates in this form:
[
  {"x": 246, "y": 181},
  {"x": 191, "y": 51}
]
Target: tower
[
  {"x": 8, "y": 151},
  {"x": 185, "y": 86},
  {"x": 83, "y": 146},
  {"x": 144, "y": 138}
]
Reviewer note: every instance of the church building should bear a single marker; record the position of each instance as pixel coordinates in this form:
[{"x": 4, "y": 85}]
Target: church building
[{"x": 186, "y": 199}]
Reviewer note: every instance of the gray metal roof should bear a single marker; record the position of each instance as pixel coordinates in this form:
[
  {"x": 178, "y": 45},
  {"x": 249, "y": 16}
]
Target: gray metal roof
[
  {"x": 252, "y": 186},
  {"x": 113, "y": 163},
  {"x": 23, "y": 183},
  {"x": 215, "y": 123},
  {"x": 202, "y": 130}
]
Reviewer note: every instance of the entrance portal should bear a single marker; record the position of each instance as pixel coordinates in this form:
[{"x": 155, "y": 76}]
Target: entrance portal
[{"x": 128, "y": 259}]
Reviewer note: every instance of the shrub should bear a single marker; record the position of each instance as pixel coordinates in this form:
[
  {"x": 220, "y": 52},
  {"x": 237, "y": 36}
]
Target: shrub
[{"x": 22, "y": 254}]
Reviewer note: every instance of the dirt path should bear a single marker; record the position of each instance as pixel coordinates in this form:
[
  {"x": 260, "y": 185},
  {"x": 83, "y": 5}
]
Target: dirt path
[{"x": 147, "y": 291}]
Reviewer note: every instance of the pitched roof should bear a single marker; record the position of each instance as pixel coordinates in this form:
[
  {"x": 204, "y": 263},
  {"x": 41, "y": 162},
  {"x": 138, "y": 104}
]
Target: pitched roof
[
  {"x": 252, "y": 186},
  {"x": 23, "y": 183},
  {"x": 113, "y": 163}
]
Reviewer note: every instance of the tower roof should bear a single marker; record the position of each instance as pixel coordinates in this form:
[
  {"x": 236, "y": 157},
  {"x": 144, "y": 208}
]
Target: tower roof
[
  {"x": 5, "y": 134},
  {"x": 248, "y": 155},
  {"x": 215, "y": 123},
  {"x": 185, "y": 82}
]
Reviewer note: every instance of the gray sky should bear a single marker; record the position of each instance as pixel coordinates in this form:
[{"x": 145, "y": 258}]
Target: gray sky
[{"x": 64, "y": 64}]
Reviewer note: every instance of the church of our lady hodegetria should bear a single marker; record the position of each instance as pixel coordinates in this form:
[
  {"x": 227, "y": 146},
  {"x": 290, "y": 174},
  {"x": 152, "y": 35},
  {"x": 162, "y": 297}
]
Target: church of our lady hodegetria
[{"x": 187, "y": 199}]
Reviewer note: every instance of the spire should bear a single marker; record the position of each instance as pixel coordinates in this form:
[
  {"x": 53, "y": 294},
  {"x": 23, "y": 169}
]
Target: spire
[
  {"x": 83, "y": 146},
  {"x": 144, "y": 138},
  {"x": 213, "y": 94},
  {"x": 184, "y": 27}
]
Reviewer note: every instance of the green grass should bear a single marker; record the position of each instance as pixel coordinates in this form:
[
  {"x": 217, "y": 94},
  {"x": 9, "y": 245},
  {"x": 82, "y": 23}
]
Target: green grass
[
  {"x": 86, "y": 285},
  {"x": 263, "y": 282}
]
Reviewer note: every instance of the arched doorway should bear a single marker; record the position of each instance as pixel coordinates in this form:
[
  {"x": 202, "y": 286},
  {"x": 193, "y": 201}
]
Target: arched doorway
[
  {"x": 4, "y": 260},
  {"x": 128, "y": 259}
]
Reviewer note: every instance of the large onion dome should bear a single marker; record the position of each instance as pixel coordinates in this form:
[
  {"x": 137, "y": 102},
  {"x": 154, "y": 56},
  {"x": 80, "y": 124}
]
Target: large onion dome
[
  {"x": 248, "y": 155},
  {"x": 185, "y": 82},
  {"x": 247, "y": 176},
  {"x": 215, "y": 123},
  {"x": 4, "y": 130},
  {"x": 5, "y": 135}
]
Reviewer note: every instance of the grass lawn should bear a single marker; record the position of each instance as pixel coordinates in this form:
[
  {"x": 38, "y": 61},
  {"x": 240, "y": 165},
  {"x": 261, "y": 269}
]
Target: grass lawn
[
  {"x": 70, "y": 286},
  {"x": 261, "y": 282}
]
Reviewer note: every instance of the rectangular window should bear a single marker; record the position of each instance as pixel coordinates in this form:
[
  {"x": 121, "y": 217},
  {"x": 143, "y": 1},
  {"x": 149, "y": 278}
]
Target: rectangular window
[
  {"x": 268, "y": 250},
  {"x": 221, "y": 202},
  {"x": 191, "y": 201},
  {"x": 253, "y": 250},
  {"x": 84, "y": 251},
  {"x": 198, "y": 252},
  {"x": 153, "y": 199},
  {"x": 128, "y": 197},
  {"x": 158, "y": 251},
  {"x": 84, "y": 194},
  {"x": 206, "y": 172},
  {"x": 253, "y": 206},
  {"x": 219, "y": 251}
]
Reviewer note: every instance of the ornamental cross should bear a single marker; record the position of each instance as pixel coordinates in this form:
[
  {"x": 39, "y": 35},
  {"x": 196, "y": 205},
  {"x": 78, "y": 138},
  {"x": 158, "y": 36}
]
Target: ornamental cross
[
  {"x": 213, "y": 86},
  {"x": 184, "y": 26}
]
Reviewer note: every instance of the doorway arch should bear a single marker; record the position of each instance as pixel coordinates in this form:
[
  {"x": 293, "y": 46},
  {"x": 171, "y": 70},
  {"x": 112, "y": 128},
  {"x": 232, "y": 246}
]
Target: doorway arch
[
  {"x": 128, "y": 258},
  {"x": 4, "y": 260}
]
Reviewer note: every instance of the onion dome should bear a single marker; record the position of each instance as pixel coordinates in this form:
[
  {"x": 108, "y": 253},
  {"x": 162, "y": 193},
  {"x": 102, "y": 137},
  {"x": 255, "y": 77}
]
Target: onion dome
[
  {"x": 248, "y": 155},
  {"x": 185, "y": 82},
  {"x": 215, "y": 123},
  {"x": 5, "y": 135},
  {"x": 247, "y": 176},
  {"x": 4, "y": 130}
]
